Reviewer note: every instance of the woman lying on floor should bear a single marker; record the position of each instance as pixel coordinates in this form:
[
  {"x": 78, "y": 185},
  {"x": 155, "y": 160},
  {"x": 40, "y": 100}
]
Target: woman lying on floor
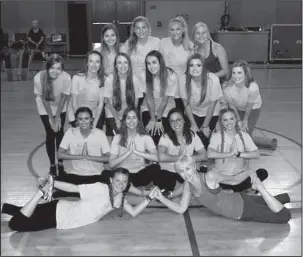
[
  {"x": 96, "y": 201},
  {"x": 237, "y": 206}
]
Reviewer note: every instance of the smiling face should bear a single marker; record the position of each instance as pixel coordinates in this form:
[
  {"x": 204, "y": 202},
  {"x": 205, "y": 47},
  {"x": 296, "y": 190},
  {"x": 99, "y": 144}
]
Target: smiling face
[
  {"x": 122, "y": 64},
  {"x": 186, "y": 172},
  {"x": 93, "y": 63},
  {"x": 201, "y": 35},
  {"x": 84, "y": 120},
  {"x": 131, "y": 120},
  {"x": 110, "y": 37},
  {"x": 55, "y": 70},
  {"x": 119, "y": 182},
  {"x": 238, "y": 75},
  {"x": 176, "y": 30},
  {"x": 141, "y": 29},
  {"x": 195, "y": 67},
  {"x": 153, "y": 64},
  {"x": 228, "y": 121},
  {"x": 176, "y": 121}
]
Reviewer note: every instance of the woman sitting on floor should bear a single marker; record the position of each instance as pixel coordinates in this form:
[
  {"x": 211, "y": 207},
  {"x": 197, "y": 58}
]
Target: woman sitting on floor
[
  {"x": 232, "y": 149},
  {"x": 177, "y": 140},
  {"x": 132, "y": 148},
  {"x": 237, "y": 206},
  {"x": 96, "y": 201}
]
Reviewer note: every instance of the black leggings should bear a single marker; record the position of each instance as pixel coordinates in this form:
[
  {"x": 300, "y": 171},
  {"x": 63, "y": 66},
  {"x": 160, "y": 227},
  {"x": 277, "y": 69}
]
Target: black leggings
[
  {"x": 256, "y": 209},
  {"x": 167, "y": 180},
  {"x": 79, "y": 180},
  {"x": 212, "y": 125},
  {"x": 246, "y": 184},
  {"x": 51, "y": 136},
  {"x": 43, "y": 217},
  {"x": 145, "y": 176}
]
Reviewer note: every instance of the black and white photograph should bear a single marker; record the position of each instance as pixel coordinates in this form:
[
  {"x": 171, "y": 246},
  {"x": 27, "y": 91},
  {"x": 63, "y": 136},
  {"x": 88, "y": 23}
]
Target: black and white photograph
[{"x": 151, "y": 128}]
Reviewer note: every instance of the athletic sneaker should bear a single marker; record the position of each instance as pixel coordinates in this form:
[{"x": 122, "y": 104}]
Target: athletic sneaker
[{"x": 46, "y": 187}]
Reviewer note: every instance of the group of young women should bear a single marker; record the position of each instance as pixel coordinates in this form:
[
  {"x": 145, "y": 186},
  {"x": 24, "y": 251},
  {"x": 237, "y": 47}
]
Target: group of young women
[{"x": 159, "y": 102}]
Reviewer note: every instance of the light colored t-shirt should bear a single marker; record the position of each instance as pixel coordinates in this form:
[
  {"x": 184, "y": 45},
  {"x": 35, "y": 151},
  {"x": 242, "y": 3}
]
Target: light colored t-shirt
[
  {"x": 62, "y": 85},
  {"x": 97, "y": 145},
  {"x": 213, "y": 93},
  {"x": 240, "y": 97},
  {"x": 134, "y": 163},
  {"x": 175, "y": 57},
  {"x": 108, "y": 92},
  {"x": 93, "y": 205},
  {"x": 89, "y": 94},
  {"x": 231, "y": 166},
  {"x": 195, "y": 145},
  {"x": 139, "y": 53},
  {"x": 171, "y": 92},
  {"x": 108, "y": 59}
]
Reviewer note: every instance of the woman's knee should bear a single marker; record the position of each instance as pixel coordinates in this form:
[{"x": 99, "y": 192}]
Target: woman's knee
[
  {"x": 284, "y": 216},
  {"x": 15, "y": 224}
]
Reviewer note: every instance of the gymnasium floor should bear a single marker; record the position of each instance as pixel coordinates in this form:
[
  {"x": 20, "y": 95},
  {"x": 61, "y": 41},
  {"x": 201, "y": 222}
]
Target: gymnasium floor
[{"x": 157, "y": 230}]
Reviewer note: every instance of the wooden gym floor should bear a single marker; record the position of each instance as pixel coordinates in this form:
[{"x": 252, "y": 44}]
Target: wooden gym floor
[{"x": 157, "y": 230}]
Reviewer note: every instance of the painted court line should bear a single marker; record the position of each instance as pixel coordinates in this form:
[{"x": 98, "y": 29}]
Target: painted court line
[{"x": 191, "y": 234}]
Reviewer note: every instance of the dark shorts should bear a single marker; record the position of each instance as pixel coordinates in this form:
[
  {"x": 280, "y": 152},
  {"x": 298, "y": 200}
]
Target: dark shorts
[{"x": 32, "y": 46}]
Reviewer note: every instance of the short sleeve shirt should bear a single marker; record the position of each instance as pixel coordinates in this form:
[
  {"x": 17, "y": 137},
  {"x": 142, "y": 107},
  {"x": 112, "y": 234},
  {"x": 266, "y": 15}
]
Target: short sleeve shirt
[
  {"x": 171, "y": 92},
  {"x": 62, "y": 85},
  {"x": 133, "y": 162},
  {"x": 108, "y": 92},
  {"x": 172, "y": 149},
  {"x": 240, "y": 97},
  {"x": 97, "y": 145},
  {"x": 213, "y": 93}
]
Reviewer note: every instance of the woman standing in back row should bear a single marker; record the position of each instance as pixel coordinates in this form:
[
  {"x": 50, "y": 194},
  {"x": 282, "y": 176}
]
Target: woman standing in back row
[
  {"x": 213, "y": 54},
  {"x": 110, "y": 45},
  {"x": 176, "y": 49},
  {"x": 139, "y": 44}
]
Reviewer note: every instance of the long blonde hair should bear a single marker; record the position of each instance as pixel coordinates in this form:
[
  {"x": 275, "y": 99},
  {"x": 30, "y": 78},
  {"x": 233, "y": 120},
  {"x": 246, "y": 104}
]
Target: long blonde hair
[
  {"x": 185, "y": 160},
  {"x": 133, "y": 39},
  {"x": 195, "y": 27},
  {"x": 185, "y": 38}
]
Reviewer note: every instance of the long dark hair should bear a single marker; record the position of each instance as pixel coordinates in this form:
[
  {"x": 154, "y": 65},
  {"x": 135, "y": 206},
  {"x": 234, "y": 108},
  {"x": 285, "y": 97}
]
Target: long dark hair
[
  {"x": 238, "y": 130},
  {"x": 101, "y": 72},
  {"x": 111, "y": 195},
  {"x": 204, "y": 80},
  {"x": 129, "y": 90},
  {"x": 163, "y": 73},
  {"x": 46, "y": 80},
  {"x": 187, "y": 132},
  {"x": 123, "y": 129},
  {"x": 104, "y": 46}
]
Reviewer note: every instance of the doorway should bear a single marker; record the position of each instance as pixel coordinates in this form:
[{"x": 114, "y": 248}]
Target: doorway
[
  {"x": 78, "y": 31},
  {"x": 121, "y": 13}
]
